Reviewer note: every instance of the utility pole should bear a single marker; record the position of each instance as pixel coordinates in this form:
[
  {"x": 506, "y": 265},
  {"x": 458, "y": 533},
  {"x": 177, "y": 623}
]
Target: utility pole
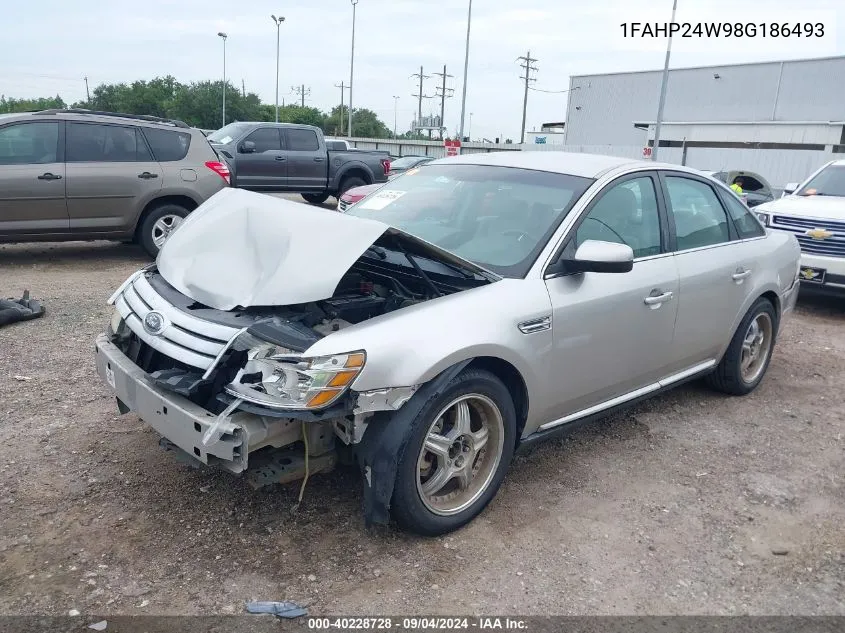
[
  {"x": 528, "y": 66},
  {"x": 278, "y": 22},
  {"x": 466, "y": 67},
  {"x": 87, "y": 94},
  {"x": 243, "y": 88},
  {"x": 444, "y": 93},
  {"x": 222, "y": 35},
  {"x": 301, "y": 91},
  {"x": 395, "y": 105},
  {"x": 352, "y": 64},
  {"x": 664, "y": 81},
  {"x": 342, "y": 87},
  {"x": 420, "y": 96}
]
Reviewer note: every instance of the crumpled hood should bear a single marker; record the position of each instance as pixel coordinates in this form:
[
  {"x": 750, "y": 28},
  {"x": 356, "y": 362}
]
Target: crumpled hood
[
  {"x": 242, "y": 249},
  {"x": 824, "y": 207}
]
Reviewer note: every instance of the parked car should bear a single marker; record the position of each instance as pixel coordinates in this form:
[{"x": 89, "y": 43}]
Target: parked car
[
  {"x": 355, "y": 195},
  {"x": 83, "y": 175},
  {"x": 755, "y": 189},
  {"x": 814, "y": 211},
  {"x": 294, "y": 158},
  {"x": 405, "y": 163},
  {"x": 338, "y": 144},
  {"x": 429, "y": 337}
]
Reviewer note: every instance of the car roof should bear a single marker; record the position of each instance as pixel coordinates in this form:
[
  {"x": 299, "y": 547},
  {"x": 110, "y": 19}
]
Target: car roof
[
  {"x": 101, "y": 117},
  {"x": 572, "y": 163}
]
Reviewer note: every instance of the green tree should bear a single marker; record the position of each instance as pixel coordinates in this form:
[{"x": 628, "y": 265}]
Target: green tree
[{"x": 28, "y": 105}]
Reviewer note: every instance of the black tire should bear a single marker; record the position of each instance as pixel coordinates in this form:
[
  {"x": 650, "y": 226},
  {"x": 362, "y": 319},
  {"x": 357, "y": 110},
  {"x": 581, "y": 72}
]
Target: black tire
[
  {"x": 315, "y": 198},
  {"x": 728, "y": 377},
  {"x": 350, "y": 182},
  {"x": 148, "y": 232},
  {"x": 407, "y": 506}
]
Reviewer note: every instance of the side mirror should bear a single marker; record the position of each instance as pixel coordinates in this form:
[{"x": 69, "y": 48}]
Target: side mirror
[
  {"x": 790, "y": 188},
  {"x": 594, "y": 256},
  {"x": 247, "y": 147}
]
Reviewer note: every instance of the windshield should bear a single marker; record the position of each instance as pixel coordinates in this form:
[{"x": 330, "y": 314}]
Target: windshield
[
  {"x": 830, "y": 181},
  {"x": 405, "y": 162},
  {"x": 226, "y": 134},
  {"x": 497, "y": 217}
]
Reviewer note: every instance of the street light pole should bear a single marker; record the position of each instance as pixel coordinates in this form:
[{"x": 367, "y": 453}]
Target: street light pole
[
  {"x": 352, "y": 66},
  {"x": 224, "y": 36},
  {"x": 278, "y": 21},
  {"x": 663, "y": 83},
  {"x": 466, "y": 65},
  {"x": 395, "y": 104},
  {"x": 469, "y": 131}
]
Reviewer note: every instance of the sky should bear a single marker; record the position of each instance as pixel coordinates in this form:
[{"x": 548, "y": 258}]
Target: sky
[{"x": 50, "y": 45}]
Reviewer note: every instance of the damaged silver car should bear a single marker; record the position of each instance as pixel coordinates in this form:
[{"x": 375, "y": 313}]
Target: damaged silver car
[{"x": 468, "y": 309}]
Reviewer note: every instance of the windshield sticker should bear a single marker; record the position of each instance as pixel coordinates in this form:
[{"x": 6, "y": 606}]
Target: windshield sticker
[{"x": 381, "y": 199}]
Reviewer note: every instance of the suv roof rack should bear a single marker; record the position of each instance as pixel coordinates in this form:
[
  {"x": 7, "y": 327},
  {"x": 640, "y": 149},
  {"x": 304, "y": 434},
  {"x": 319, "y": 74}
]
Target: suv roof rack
[{"x": 139, "y": 117}]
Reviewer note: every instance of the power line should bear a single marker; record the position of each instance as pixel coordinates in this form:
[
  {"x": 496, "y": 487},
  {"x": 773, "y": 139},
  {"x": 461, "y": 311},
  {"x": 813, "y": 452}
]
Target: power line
[
  {"x": 444, "y": 93},
  {"x": 528, "y": 67},
  {"x": 555, "y": 92},
  {"x": 420, "y": 96},
  {"x": 301, "y": 91}
]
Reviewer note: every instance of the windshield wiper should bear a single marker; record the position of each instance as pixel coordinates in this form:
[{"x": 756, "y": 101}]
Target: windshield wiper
[
  {"x": 416, "y": 266},
  {"x": 377, "y": 251}
]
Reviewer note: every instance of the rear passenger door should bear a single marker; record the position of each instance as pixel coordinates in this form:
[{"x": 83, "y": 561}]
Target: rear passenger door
[
  {"x": 714, "y": 268},
  {"x": 261, "y": 162},
  {"x": 307, "y": 164},
  {"x": 32, "y": 180},
  {"x": 110, "y": 173}
]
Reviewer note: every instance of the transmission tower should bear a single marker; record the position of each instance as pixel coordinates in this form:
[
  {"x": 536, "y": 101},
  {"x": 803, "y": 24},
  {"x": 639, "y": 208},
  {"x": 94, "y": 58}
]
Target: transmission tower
[
  {"x": 444, "y": 93},
  {"x": 301, "y": 92},
  {"x": 528, "y": 66}
]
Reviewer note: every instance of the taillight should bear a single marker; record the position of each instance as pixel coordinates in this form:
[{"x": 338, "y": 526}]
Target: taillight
[
  {"x": 385, "y": 163},
  {"x": 220, "y": 169}
]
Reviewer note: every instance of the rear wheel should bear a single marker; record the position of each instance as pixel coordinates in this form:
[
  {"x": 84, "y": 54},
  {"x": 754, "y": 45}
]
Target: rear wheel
[
  {"x": 158, "y": 225},
  {"x": 458, "y": 451},
  {"x": 350, "y": 183},
  {"x": 315, "y": 198},
  {"x": 747, "y": 358}
]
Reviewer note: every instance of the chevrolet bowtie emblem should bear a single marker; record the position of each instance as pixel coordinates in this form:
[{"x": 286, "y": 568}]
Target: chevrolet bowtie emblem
[{"x": 819, "y": 234}]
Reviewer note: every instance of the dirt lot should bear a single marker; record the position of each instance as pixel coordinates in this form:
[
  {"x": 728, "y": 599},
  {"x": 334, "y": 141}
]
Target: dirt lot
[{"x": 690, "y": 503}]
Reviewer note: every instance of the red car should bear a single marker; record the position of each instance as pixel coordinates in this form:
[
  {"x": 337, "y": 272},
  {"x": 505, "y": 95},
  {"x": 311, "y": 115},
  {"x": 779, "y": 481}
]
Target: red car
[{"x": 356, "y": 194}]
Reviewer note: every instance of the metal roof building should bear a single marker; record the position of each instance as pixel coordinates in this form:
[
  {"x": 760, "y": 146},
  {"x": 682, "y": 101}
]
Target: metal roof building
[{"x": 785, "y": 106}]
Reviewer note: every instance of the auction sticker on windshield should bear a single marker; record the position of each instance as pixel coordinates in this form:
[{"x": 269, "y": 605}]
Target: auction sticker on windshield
[{"x": 380, "y": 200}]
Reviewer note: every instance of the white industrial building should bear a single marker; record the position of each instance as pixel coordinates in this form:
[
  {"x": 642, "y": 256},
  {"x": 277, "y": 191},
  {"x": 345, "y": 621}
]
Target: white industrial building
[{"x": 781, "y": 119}]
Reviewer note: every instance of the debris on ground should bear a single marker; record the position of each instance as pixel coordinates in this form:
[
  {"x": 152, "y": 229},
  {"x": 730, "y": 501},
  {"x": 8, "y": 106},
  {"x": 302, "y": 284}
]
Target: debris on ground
[
  {"x": 279, "y": 609},
  {"x": 99, "y": 626},
  {"x": 23, "y": 309}
]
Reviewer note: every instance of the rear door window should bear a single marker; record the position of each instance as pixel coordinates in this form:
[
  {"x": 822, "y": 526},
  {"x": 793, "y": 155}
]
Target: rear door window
[
  {"x": 302, "y": 140},
  {"x": 96, "y": 143},
  {"x": 168, "y": 145},
  {"x": 700, "y": 219},
  {"x": 746, "y": 224}
]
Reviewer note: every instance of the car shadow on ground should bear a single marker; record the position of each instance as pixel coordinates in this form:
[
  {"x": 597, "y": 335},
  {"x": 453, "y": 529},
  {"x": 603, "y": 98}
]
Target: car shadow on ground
[
  {"x": 821, "y": 304},
  {"x": 25, "y": 254}
]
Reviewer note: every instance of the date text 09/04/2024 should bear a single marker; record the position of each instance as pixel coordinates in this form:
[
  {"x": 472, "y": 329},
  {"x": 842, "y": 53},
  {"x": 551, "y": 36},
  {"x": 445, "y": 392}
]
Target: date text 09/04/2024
[{"x": 723, "y": 29}]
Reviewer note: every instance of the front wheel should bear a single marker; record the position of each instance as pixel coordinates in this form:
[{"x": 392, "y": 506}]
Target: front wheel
[
  {"x": 315, "y": 198},
  {"x": 459, "y": 449},
  {"x": 158, "y": 225},
  {"x": 747, "y": 358}
]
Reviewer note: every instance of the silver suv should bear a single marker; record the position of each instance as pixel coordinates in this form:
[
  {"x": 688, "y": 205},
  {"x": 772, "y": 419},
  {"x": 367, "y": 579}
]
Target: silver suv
[{"x": 84, "y": 175}]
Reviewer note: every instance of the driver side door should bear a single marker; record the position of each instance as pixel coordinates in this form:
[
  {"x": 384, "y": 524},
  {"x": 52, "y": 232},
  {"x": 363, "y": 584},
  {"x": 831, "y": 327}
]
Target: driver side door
[
  {"x": 613, "y": 332},
  {"x": 261, "y": 161}
]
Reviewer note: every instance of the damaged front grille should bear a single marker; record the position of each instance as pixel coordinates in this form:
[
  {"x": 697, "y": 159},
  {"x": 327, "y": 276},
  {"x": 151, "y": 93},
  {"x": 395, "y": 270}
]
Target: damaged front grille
[{"x": 167, "y": 330}]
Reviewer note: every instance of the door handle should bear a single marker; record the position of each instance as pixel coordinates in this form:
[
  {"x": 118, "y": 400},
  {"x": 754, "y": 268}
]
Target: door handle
[
  {"x": 147, "y": 175},
  {"x": 740, "y": 275},
  {"x": 318, "y": 159},
  {"x": 657, "y": 300},
  {"x": 49, "y": 176},
  {"x": 279, "y": 158}
]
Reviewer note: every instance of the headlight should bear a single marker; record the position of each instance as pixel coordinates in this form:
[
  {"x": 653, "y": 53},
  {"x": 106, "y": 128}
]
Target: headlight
[
  {"x": 116, "y": 321},
  {"x": 276, "y": 378},
  {"x": 763, "y": 217}
]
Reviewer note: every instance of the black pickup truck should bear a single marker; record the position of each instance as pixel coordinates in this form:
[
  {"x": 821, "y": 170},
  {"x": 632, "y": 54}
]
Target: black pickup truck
[{"x": 293, "y": 158}]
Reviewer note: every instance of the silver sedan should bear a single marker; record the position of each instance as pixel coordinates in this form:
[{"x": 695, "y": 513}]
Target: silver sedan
[{"x": 468, "y": 309}]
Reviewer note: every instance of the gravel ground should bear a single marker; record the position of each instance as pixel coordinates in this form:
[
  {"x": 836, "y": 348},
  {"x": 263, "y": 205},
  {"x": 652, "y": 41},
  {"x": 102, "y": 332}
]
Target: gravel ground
[{"x": 691, "y": 503}]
